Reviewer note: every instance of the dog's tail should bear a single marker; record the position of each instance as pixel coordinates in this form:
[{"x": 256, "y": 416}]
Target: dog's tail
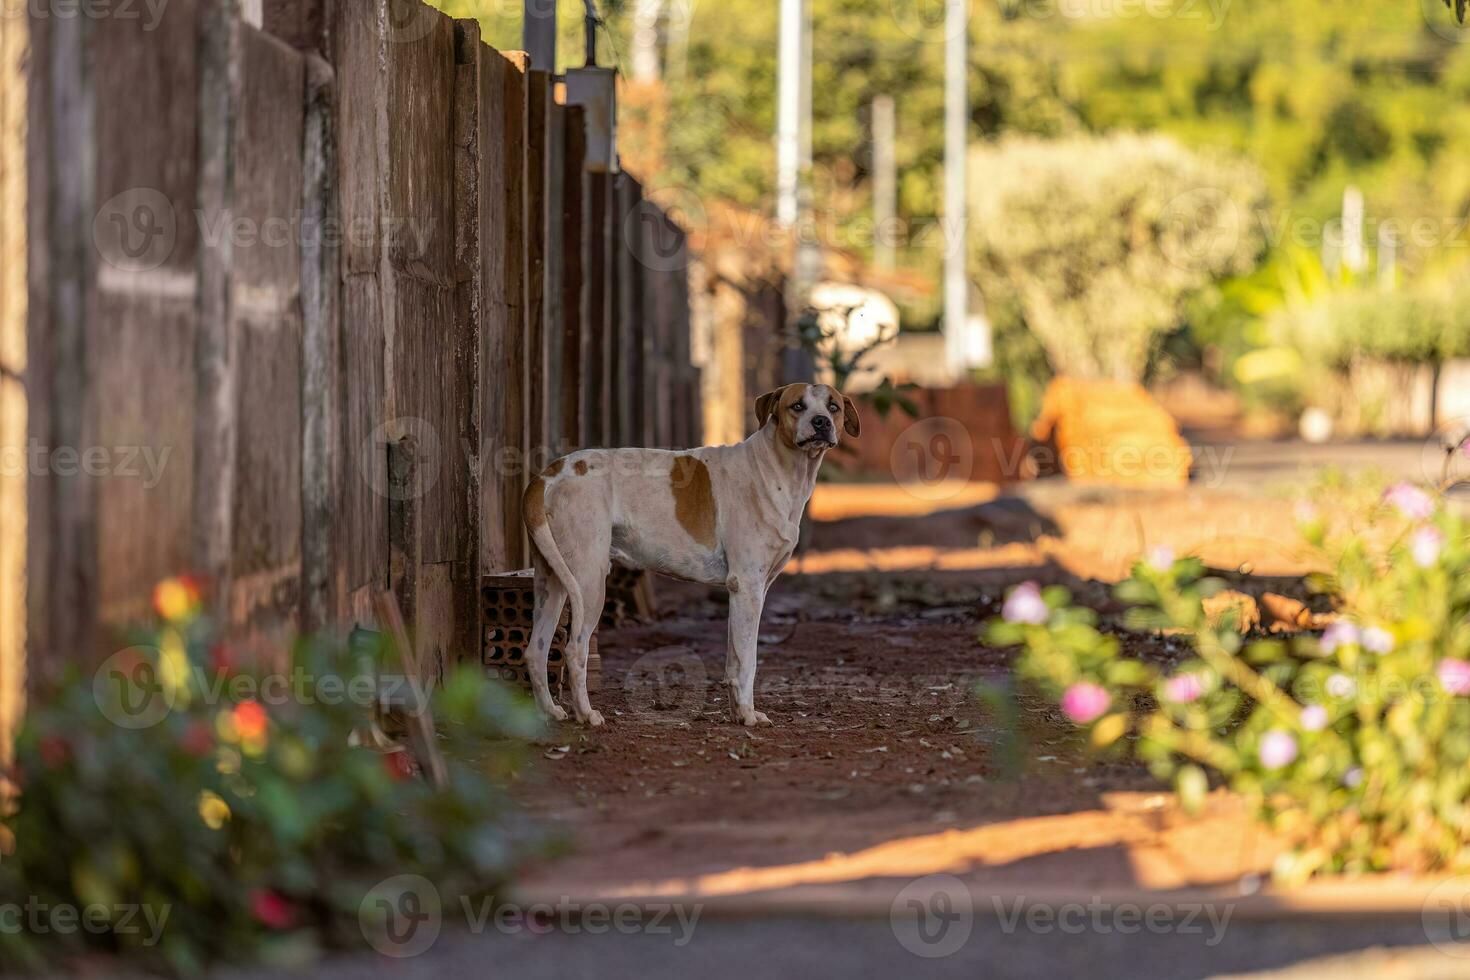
[{"x": 533, "y": 512}]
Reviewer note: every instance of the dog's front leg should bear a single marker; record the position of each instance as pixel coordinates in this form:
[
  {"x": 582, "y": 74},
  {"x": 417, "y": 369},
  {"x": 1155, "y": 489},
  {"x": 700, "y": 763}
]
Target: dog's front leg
[{"x": 747, "y": 599}]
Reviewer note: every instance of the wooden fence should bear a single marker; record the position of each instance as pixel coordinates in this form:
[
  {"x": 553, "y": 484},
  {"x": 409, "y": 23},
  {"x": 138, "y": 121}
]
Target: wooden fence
[{"x": 340, "y": 272}]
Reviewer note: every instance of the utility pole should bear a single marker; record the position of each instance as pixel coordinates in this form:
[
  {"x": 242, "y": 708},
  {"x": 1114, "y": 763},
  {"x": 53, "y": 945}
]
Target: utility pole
[
  {"x": 966, "y": 342},
  {"x": 885, "y": 184},
  {"x": 645, "y": 39},
  {"x": 788, "y": 111},
  {"x": 538, "y": 33}
]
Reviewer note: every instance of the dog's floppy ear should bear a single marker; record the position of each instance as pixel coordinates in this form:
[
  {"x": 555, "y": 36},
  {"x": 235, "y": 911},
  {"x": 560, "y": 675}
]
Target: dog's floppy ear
[
  {"x": 851, "y": 424},
  {"x": 765, "y": 405}
]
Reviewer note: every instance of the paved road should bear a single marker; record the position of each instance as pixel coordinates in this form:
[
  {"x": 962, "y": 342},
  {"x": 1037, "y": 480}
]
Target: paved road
[{"x": 809, "y": 948}]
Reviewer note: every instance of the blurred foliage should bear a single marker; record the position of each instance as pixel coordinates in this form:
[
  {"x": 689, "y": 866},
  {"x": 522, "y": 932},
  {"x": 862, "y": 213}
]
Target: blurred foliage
[
  {"x": 233, "y": 804},
  {"x": 1354, "y": 746},
  {"x": 1098, "y": 259},
  {"x": 1375, "y": 94}
]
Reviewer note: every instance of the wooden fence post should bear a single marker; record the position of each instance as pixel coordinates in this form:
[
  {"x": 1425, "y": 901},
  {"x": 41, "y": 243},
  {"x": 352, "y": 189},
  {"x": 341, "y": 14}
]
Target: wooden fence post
[
  {"x": 516, "y": 409},
  {"x": 574, "y": 236},
  {"x": 538, "y": 99}
]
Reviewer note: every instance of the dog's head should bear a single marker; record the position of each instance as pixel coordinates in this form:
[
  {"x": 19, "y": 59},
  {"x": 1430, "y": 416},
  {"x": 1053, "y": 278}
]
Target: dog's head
[{"x": 808, "y": 418}]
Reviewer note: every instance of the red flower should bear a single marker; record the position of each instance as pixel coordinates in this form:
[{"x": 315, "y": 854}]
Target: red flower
[
  {"x": 54, "y": 751},
  {"x": 271, "y": 909},
  {"x": 198, "y": 739},
  {"x": 250, "y": 719},
  {"x": 222, "y": 658},
  {"x": 399, "y": 765}
]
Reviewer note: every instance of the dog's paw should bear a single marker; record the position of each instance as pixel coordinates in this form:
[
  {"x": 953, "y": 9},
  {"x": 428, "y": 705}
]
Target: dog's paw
[
  {"x": 594, "y": 718},
  {"x": 557, "y": 713}
]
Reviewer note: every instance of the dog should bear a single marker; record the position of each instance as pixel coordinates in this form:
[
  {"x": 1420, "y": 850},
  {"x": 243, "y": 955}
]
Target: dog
[{"x": 717, "y": 515}]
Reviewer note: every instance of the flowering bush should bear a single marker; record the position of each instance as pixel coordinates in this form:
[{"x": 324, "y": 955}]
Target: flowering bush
[
  {"x": 199, "y": 809},
  {"x": 1354, "y": 745}
]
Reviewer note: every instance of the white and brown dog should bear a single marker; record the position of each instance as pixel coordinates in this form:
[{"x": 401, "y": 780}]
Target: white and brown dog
[{"x": 719, "y": 515}]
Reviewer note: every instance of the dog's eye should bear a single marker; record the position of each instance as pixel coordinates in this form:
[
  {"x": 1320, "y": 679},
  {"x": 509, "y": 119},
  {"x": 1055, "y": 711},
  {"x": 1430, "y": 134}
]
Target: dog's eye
[
  {"x": 798, "y": 407},
  {"x": 832, "y": 407}
]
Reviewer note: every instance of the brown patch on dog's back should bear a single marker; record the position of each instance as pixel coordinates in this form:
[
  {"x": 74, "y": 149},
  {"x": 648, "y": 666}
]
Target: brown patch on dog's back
[
  {"x": 533, "y": 503},
  {"x": 580, "y": 467},
  {"x": 694, "y": 498},
  {"x": 554, "y": 468}
]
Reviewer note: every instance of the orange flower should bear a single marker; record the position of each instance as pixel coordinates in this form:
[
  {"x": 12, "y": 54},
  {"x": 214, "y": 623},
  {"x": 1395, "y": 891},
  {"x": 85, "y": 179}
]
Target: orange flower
[
  {"x": 250, "y": 720},
  {"x": 176, "y": 599}
]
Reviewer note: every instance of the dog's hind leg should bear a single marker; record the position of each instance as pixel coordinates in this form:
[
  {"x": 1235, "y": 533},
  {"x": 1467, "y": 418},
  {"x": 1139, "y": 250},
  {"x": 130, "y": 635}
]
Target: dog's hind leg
[
  {"x": 591, "y": 572},
  {"x": 550, "y": 597}
]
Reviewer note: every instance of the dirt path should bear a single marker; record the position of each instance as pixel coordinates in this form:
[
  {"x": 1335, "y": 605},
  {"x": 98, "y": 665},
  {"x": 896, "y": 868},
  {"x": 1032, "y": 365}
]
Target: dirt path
[{"x": 883, "y": 762}]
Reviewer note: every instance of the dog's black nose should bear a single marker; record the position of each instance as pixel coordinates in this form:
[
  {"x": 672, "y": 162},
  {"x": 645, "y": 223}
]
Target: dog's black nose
[{"x": 822, "y": 424}]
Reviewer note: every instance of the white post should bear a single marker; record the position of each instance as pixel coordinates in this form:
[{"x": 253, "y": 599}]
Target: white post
[
  {"x": 956, "y": 221},
  {"x": 788, "y": 112},
  {"x": 645, "y": 39},
  {"x": 538, "y": 33},
  {"x": 885, "y": 184}
]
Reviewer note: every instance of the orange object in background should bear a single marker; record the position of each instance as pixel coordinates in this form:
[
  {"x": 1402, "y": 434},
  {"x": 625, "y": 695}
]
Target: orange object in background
[{"x": 1110, "y": 432}]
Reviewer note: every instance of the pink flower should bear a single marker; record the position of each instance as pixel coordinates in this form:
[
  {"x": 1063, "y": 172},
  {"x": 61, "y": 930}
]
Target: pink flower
[
  {"x": 1454, "y": 675},
  {"x": 1161, "y": 559},
  {"x": 1277, "y": 749},
  {"x": 1314, "y": 718},
  {"x": 1425, "y": 546},
  {"x": 1376, "y": 639},
  {"x": 1025, "y": 605},
  {"x": 1341, "y": 686},
  {"x": 271, "y": 909},
  {"x": 1410, "y": 501},
  {"x": 1084, "y": 702},
  {"x": 1184, "y": 688},
  {"x": 1352, "y": 777},
  {"x": 1339, "y": 634}
]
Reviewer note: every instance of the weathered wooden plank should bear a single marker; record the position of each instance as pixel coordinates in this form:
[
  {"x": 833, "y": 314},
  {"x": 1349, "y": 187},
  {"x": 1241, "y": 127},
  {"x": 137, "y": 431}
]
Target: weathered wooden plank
[
  {"x": 632, "y": 354},
  {"x": 495, "y": 386},
  {"x": 574, "y": 236},
  {"x": 359, "y": 96},
  {"x": 364, "y": 517},
  {"x": 596, "y": 358},
  {"x": 538, "y": 101},
  {"x": 265, "y": 323},
  {"x": 431, "y": 398},
  {"x": 554, "y": 382},
  {"x": 469, "y": 188},
  {"x": 420, "y": 224},
  {"x": 136, "y": 352},
  {"x": 321, "y": 380},
  {"x": 299, "y": 23},
  {"x": 655, "y": 252},
  {"x": 511, "y": 465}
]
